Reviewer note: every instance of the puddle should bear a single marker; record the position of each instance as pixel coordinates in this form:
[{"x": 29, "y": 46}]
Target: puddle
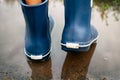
[{"x": 101, "y": 62}]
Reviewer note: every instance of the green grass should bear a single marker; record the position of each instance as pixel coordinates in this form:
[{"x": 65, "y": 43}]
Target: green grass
[{"x": 106, "y": 4}]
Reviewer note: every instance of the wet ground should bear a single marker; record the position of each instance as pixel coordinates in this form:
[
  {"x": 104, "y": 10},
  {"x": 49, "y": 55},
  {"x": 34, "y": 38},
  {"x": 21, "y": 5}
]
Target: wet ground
[{"x": 101, "y": 62}]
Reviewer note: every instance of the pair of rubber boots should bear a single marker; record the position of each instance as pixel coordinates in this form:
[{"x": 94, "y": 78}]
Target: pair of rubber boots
[{"x": 77, "y": 35}]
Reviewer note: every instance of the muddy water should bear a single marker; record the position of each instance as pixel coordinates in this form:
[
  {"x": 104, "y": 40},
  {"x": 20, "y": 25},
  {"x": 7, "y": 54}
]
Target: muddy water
[{"x": 101, "y": 62}]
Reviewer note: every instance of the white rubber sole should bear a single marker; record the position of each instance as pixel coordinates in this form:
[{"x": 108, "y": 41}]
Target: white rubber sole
[
  {"x": 37, "y": 57},
  {"x": 77, "y": 45}
]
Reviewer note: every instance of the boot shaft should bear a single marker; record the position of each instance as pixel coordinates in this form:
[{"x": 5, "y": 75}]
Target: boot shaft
[
  {"x": 36, "y": 18},
  {"x": 78, "y": 12}
]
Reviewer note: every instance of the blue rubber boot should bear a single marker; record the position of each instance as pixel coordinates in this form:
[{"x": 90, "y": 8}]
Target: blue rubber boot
[
  {"x": 78, "y": 34},
  {"x": 38, "y": 29}
]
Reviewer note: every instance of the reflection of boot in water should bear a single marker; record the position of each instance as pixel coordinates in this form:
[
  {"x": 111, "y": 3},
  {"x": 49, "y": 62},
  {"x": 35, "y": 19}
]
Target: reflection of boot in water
[
  {"x": 76, "y": 65},
  {"x": 33, "y": 2},
  {"x": 41, "y": 71}
]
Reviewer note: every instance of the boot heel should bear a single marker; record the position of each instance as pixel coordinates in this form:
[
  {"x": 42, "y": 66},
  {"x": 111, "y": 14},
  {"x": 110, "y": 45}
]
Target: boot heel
[
  {"x": 37, "y": 58},
  {"x": 81, "y": 49}
]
